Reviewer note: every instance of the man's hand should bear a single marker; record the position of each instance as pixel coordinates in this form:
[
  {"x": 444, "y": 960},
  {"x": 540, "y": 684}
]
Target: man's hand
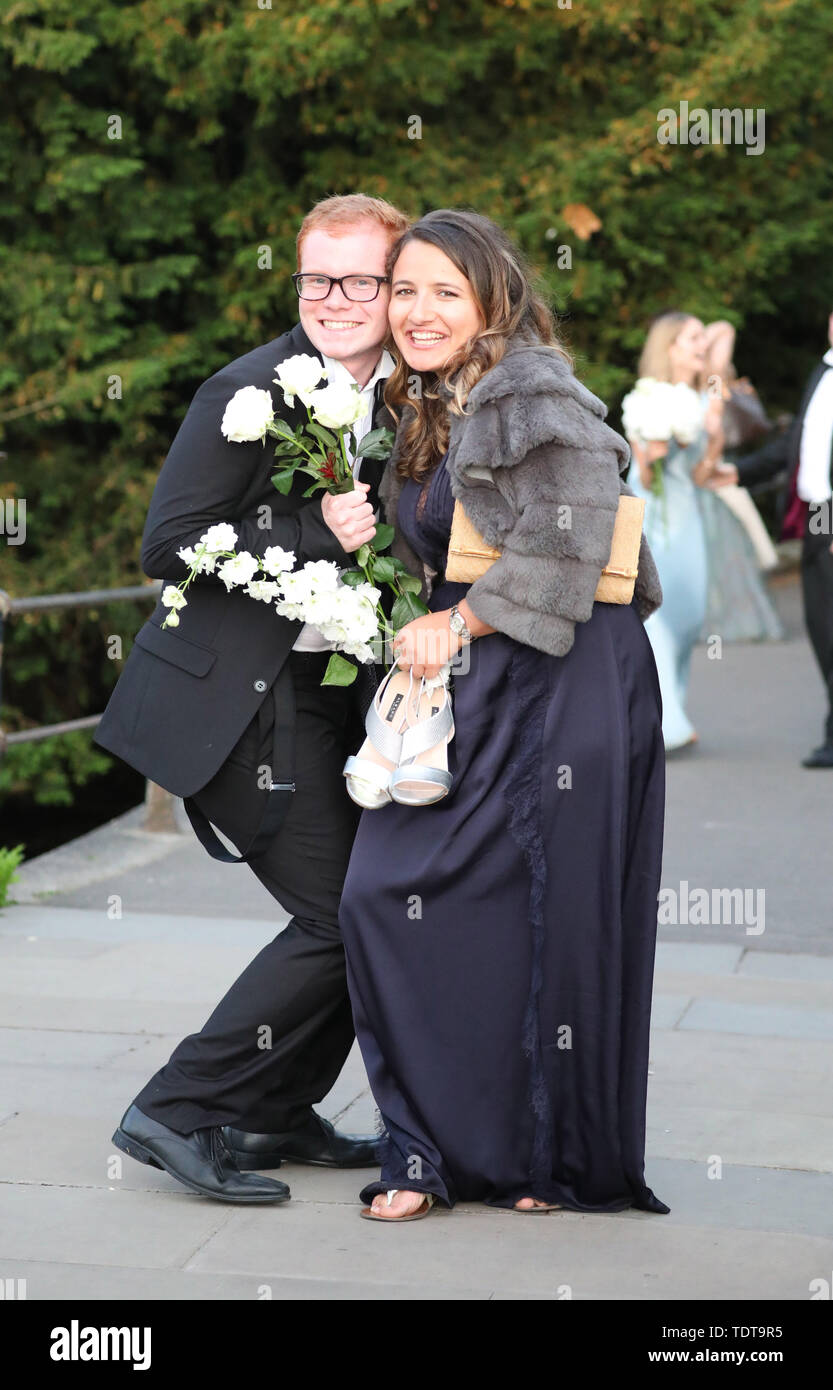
[{"x": 349, "y": 516}]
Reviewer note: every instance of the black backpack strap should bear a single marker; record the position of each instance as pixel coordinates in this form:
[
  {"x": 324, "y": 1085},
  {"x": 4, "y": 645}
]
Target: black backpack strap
[{"x": 282, "y": 772}]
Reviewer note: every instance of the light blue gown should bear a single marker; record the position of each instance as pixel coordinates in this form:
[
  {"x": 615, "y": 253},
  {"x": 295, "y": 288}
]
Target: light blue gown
[
  {"x": 710, "y": 577},
  {"x": 673, "y": 528}
]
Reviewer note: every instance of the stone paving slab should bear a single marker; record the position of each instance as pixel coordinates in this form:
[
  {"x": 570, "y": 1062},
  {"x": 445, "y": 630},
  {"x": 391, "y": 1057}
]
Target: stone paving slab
[
  {"x": 102, "y": 1282},
  {"x": 802, "y": 1142},
  {"x": 779, "y": 1076},
  {"x": 57, "y": 923},
  {"x": 689, "y": 957},
  {"x": 108, "y": 1226},
  {"x": 109, "y": 1016},
  {"x": 629, "y": 1254},
  {"x": 772, "y": 965},
  {"x": 758, "y": 1020},
  {"x": 748, "y": 989}
]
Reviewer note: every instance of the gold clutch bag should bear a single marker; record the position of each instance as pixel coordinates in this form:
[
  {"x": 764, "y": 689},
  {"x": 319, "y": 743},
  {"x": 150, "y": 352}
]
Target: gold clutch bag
[{"x": 469, "y": 556}]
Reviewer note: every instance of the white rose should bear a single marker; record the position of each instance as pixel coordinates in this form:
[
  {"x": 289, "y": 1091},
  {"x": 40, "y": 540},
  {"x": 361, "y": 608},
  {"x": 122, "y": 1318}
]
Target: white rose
[
  {"x": 368, "y": 592},
  {"x": 240, "y": 570},
  {"x": 247, "y": 414},
  {"x": 687, "y": 413},
  {"x": 336, "y": 406},
  {"x": 647, "y": 410},
  {"x": 173, "y": 597},
  {"x": 298, "y": 376},
  {"x": 278, "y": 561},
  {"x": 218, "y": 538}
]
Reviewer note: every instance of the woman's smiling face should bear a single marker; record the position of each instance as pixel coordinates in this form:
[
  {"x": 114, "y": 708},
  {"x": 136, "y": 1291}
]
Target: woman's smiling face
[{"x": 432, "y": 312}]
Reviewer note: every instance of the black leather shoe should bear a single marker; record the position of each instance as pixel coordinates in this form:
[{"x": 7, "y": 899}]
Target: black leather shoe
[
  {"x": 820, "y": 757},
  {"x": 200, "y": 1161},
  {"x": 318, "y": 1143}
]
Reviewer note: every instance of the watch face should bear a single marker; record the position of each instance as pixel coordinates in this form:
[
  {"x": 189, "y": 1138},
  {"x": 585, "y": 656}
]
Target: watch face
[{"x": 456, "y": 622}]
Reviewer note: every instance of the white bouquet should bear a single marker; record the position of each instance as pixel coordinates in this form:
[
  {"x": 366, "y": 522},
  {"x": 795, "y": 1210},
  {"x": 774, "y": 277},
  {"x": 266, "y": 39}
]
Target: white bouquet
[
  {"x": 345, "y": 614},
  {"x": 344, "y": 607},
  {"x": 657, "y": 411}
]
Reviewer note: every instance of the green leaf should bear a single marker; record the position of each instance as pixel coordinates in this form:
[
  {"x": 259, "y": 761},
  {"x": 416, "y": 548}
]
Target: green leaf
[
  {"x": 406, "y": 609},
  {"x": 352, "y": 578},
  {"x": 283, "y": 480},
  {"x": 281, "y": 430},
  {"x": 363, "y": 555},
  {"x": 383, "y": 570},
  {"x": 410, "y": 583},
  {"x": 381, "y": 438},
  {"x": 339, "y": 671},
  {"x": 324, "y": 436},
  {"x": 384, "y": 536}
]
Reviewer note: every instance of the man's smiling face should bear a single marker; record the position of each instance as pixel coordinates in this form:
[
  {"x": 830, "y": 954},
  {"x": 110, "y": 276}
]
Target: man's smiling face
[{"x": 350, "y": 331}]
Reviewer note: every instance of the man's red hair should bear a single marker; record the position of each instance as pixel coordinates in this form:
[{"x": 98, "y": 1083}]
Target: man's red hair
[{"x": 335, "y": 215}]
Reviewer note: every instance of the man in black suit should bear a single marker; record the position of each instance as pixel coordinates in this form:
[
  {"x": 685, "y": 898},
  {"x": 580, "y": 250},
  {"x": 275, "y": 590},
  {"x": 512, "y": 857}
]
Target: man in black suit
[
  {"x": 806, "y": 448},
  {"x": 227, "y": 711}
]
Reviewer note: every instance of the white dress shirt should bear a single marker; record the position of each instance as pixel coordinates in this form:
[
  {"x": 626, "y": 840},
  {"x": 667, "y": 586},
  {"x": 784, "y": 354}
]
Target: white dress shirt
[
  {"x": 813, "y": 481},
  {"x": 309, "y": 639}
]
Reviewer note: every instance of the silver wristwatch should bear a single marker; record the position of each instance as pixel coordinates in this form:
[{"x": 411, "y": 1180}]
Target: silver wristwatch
[{"x": 457, "y": 623}]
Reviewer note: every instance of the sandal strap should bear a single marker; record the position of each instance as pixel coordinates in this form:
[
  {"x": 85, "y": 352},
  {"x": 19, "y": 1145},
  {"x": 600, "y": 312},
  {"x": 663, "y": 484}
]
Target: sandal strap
[
  {"x": 384, "y": 738},
  {"x": 368, "y": 771},
  {"x": 392, "y": 1191},
  {"x": 418, "y": 738},
  {"x": 420, "y": 772}
]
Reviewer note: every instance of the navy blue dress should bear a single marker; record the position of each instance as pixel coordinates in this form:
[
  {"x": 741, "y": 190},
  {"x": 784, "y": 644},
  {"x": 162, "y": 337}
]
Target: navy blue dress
[{"x": 500, "y": 943}]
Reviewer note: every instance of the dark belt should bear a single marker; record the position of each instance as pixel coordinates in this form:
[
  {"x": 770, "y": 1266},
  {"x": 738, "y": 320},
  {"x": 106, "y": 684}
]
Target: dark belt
[{"x": 281, "y": 788}]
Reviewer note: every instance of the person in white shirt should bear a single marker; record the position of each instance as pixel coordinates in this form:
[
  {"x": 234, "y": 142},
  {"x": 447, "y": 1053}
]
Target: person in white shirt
[{"x": 807, "y": 449}]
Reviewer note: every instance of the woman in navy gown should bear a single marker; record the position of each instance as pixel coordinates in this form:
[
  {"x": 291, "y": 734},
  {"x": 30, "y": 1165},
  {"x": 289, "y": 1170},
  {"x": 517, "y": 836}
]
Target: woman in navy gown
[{"x": 500, "y": 942}]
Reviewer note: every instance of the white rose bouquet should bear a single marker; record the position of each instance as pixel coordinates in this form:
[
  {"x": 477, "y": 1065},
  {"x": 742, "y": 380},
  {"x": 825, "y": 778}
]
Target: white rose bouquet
[
  {"x": 345, "y": 607},
  {"x": 657, "y": 411}
]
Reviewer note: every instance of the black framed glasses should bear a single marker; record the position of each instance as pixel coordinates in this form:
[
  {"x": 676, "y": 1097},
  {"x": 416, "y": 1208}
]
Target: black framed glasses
[{"x": 359, "y": 288}]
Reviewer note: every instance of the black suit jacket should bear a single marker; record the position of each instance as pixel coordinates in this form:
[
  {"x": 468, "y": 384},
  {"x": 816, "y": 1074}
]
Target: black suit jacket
[
  {"x": 186, "y": 695},
  {"x": 784, "y": 452}
]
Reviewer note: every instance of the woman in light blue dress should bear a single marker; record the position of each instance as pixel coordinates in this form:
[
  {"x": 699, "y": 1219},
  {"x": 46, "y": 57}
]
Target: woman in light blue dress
[{"x": 707, "y": 563}]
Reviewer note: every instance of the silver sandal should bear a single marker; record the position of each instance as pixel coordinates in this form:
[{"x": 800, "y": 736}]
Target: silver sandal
[
  {"x": 421, "y": 776},
  {"x": 368, "y": 772}
]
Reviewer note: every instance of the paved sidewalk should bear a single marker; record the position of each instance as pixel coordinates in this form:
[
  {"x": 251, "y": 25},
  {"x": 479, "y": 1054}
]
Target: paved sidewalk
[{"x": 740, "y": 1129}]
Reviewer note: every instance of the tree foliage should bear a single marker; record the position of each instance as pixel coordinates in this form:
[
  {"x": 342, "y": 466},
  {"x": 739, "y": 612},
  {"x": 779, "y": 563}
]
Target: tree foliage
[{"x": 156, "y": 154}]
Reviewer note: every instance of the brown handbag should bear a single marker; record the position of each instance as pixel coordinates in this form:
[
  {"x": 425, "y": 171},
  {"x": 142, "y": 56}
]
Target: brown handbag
[{"x": 469, "y": 556}]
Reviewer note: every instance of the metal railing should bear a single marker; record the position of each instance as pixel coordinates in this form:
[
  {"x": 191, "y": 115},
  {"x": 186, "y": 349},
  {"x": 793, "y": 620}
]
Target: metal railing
[{"x": 159, "y": 804}]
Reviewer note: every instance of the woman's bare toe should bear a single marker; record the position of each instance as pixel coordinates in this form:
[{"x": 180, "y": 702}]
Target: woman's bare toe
[{"x": 403, "y": 1204}]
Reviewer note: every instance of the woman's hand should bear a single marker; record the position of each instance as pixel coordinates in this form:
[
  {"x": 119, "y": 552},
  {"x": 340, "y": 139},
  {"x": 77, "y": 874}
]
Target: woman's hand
[
  {"x": 721, "y": 475},
  {"x": 646, "y": 456},
  {"x": 426, "y": 643}
]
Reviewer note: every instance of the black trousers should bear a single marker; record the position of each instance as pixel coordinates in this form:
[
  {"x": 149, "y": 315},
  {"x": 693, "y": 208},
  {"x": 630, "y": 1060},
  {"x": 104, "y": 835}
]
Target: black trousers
[
  {"x": 817, "y": 586},
  {"x": 276, "y": 1042}
]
